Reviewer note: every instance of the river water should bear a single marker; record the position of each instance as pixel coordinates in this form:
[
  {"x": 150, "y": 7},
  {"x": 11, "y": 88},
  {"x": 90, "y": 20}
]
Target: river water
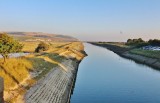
[{"x": 105, "y": 77}]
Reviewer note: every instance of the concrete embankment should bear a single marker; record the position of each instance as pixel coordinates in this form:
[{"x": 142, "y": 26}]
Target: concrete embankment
[
  {"x": 124, "y": 52},
  {"x": 56, "y": 86},
  {"x": 155, "y": 63}
]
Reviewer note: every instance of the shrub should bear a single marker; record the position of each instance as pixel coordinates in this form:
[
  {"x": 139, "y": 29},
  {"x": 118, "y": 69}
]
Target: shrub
[{"x": 42, "y": 47}]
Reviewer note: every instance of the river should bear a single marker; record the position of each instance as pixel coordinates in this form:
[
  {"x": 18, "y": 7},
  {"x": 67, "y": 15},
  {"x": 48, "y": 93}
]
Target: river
[{"x": 105, "y": 77}]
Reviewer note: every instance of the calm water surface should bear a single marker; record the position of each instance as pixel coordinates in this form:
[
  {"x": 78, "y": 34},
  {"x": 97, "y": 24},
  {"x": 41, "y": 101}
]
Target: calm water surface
[{"x": 105, "y": 77}]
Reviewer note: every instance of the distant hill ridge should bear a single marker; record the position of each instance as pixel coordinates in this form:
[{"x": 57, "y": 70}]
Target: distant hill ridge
[{"x": 40, "y": 36}]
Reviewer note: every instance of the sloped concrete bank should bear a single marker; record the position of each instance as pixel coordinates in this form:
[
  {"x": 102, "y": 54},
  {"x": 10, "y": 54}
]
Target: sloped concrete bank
[
  {"x": 55, "y": 87},
  {"x": 124, "y": 52},
  {"x": 71, "y": 88},
  {"x": 154, "y": 63}
]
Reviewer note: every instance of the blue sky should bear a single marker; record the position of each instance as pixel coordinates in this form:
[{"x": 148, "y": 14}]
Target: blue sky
[{"x": 84, "y": 19}]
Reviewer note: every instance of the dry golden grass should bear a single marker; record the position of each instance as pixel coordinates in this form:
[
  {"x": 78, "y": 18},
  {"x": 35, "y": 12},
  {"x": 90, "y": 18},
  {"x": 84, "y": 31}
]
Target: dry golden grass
[
  {"x": 14, "y": 71},
  {"x": 29, "y": 46}
]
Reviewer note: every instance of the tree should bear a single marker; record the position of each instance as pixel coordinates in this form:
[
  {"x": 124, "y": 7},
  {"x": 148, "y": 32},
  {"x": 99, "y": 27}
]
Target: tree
[
  {"x": 155, "y": 42},
  {"x": 42, "y": 47},
  {"x": 140, "y": 40},
  {"x": 129, "y": 40},
  {"x": 135, "y": 42},
  {"x": 8, "y": 45}
]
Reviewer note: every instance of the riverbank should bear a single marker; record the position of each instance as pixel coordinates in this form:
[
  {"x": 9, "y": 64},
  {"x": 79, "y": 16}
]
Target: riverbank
[
  {"x": 54, "y": 69},
  {"x": 125, "y": 52}
]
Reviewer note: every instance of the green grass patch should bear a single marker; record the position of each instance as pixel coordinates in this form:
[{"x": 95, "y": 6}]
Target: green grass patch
[
  {"x": 147, "y": 53},
  {"x": 55, "y": 56},
  {"x": 42, "y": 66}
]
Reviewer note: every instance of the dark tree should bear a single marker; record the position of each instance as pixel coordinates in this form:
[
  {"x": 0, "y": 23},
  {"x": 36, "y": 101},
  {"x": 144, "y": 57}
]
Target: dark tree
[
  {"x": 155, "y": 42},
  {"x": 129, "y": 40},
  {"x": 42, "y": 46},
  {"x": 135, "y": 42}
]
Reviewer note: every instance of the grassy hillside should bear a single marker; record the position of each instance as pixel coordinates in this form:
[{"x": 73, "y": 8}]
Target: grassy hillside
[{"x": 39, "y": 36}]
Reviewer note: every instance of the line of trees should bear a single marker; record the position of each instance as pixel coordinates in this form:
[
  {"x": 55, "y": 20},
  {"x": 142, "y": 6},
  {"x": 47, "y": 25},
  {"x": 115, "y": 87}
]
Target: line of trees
[
  {"x": 135, "y": 41},
  {"x": 141, "y": 42},
  {"x": 155, "y": 42}
]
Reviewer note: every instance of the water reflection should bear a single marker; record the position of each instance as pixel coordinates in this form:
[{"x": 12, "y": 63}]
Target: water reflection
[{"x": 105, "y": 77}]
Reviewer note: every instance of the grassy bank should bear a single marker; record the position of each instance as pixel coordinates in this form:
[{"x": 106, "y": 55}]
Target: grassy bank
[
  {"x": 147, "y": 53},
  {"x": 148, "y": 57},
  {"x": 122, "y": 47},
  {"x": 22, "y": 73}
]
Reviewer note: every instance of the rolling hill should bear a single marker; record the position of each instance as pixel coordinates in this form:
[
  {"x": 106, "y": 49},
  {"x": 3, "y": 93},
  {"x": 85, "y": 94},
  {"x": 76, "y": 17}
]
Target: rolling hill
[{"x": 39, "y": 36}]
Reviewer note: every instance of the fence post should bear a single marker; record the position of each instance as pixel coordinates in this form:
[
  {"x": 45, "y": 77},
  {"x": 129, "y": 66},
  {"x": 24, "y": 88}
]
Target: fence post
[{"x": 1, "y": 90}]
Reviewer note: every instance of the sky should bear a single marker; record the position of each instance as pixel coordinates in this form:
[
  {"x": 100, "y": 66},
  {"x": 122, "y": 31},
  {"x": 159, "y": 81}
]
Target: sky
[{"x": 91, "y": 20}]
